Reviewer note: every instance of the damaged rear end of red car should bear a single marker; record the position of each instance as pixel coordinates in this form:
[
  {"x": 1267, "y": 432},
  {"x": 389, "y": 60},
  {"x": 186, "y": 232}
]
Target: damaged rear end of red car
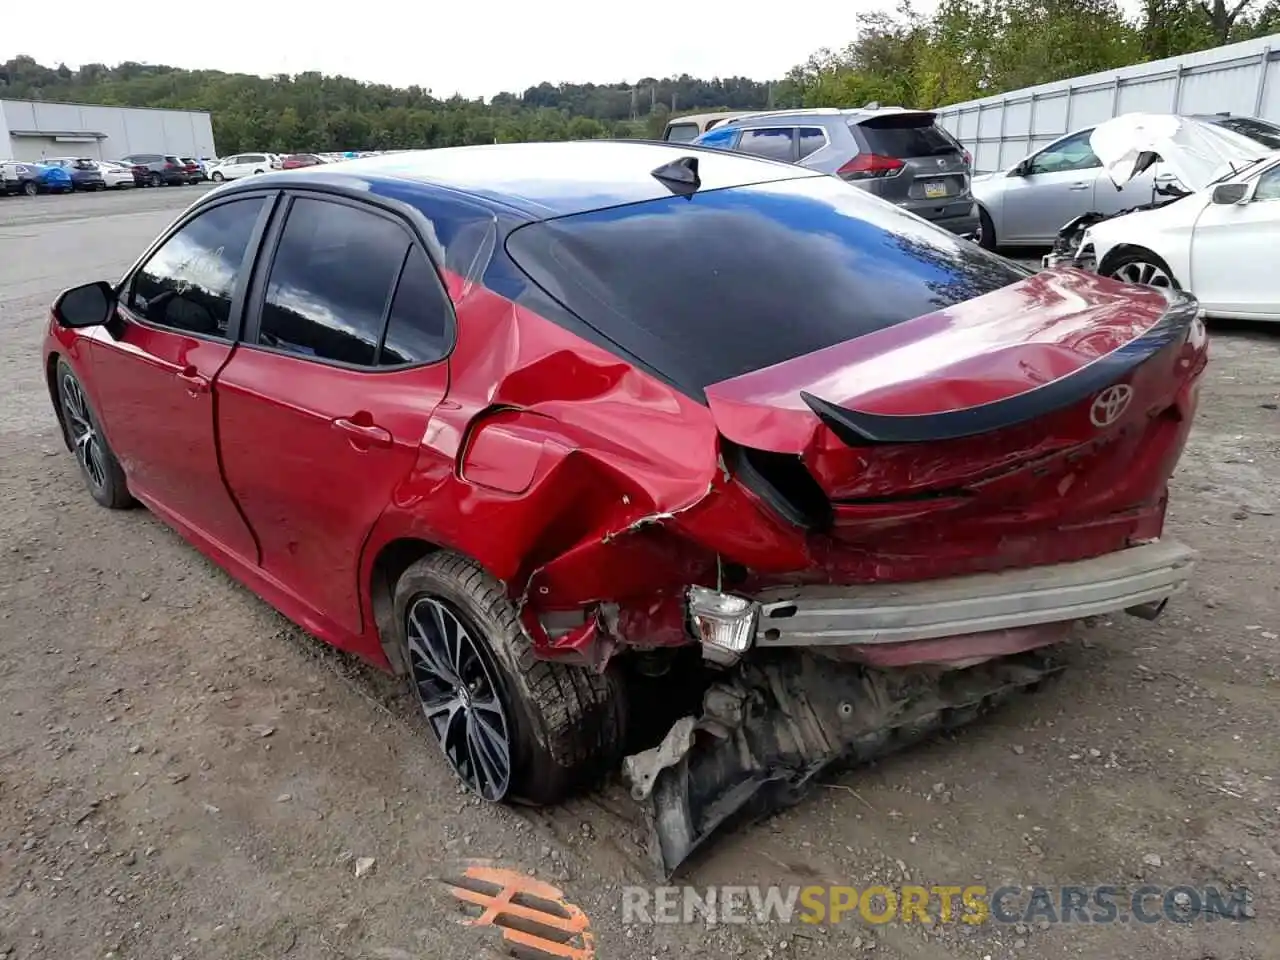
[{"x": 921, "y": 465}]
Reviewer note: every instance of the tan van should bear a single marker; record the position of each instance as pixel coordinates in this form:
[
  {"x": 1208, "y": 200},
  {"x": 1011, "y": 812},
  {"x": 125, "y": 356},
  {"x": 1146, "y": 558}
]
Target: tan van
[{"x": 684, "y": 129}]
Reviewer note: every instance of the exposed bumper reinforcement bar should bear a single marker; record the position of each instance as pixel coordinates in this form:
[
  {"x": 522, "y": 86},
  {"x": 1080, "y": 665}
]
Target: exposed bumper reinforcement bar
[{"x": 894, "y": 613}]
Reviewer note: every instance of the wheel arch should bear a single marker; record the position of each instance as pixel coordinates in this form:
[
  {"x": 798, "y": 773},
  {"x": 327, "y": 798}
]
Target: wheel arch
[
  {"x": 51, "y": 381},
  {"x": 985, "y": 211},
  {"x": 1108, "y": 259},
  {"x": 390, "y": 562}
]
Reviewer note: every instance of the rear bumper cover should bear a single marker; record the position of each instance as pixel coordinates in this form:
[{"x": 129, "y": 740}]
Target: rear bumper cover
[
  {"x": 965, "y": 224},
  {"x": 959, "y": 606}
]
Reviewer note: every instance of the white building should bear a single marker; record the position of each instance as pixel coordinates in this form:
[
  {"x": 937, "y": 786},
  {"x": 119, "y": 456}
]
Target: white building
[{"x": 34, "y": 129}]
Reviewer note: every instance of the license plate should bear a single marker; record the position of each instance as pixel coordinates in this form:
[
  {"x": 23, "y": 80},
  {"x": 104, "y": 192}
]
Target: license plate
[{"x": 933, "y": 189}]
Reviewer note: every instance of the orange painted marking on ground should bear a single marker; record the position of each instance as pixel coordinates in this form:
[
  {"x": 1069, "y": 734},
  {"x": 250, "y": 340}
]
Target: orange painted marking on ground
[{"x": 499, "y": 910}]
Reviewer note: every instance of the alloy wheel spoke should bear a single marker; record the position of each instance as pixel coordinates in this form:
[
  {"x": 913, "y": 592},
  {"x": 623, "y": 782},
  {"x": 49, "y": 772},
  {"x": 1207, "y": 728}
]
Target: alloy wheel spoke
[
  {"x": 454, "y": 684},
  {"x": 494, "y": 740},
  {"x": 420, "y": 644},
  {"x": 486, "y": 757}
]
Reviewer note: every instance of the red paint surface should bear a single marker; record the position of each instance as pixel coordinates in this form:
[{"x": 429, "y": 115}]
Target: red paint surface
[{"x": 583, "y": 483}]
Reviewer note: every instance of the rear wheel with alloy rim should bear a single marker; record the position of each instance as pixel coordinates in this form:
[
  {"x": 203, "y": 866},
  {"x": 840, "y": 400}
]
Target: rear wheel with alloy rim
[
  {"x": 1141, "y": 267},
  {"x": 513, "y": 727},
  {"x": 101, "y": 470}
]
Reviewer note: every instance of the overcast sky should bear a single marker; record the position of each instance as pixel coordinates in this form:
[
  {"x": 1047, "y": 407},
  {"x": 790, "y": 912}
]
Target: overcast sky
[{"x": 473, "y": 48}]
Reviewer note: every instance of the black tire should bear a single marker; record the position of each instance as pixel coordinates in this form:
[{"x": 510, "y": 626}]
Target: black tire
[
  {"x": 988, "y": 236},
  {"x": 566, "y": 724},
  {"x": 98, "y": 465},
  {"x": 30, "y": 188},
  {"x": 217, "y": 177},
  {"x": 1131, "y": 262},
  {"x": 155, "y": 180}
]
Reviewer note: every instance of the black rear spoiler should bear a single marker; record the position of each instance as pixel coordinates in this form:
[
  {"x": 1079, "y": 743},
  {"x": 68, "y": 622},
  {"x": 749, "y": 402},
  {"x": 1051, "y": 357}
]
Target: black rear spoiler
[{"x": 856, "y": 428}]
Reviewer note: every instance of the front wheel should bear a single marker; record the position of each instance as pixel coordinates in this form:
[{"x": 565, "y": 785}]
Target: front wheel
[
  {"x": 1141, "y": 267},
  {"x": 101, "y": 470},
  {"x": 30, "y": 188},
  {"x": 156, "y": 180},
  {"x": 510, "y": 725}
]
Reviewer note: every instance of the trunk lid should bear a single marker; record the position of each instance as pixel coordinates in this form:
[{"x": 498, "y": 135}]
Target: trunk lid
[{"x": 983, "y": 366}]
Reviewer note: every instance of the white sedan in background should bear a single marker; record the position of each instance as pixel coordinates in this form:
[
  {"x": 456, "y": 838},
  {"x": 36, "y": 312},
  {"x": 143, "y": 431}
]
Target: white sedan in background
[
  {"x": 116, "y": 174},
  {"x": 1217, "y": 240},
  {"x": 242, "y": 165}
]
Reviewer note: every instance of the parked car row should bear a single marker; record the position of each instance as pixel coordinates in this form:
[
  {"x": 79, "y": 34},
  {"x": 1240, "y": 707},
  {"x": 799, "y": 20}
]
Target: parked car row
[{"x": 65, "y": 174}]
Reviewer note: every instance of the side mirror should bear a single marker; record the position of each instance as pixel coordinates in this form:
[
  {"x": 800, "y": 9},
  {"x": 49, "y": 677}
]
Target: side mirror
[
  {"x": 1226, "y": 193},
  {"x": 1019, "y": 169},
  {"x": 88, "y": 306}
]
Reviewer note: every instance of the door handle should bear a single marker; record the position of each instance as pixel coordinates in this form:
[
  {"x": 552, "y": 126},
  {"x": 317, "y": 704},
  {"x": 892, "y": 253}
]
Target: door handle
[
  {"x": 194, "y": 382},
  {"x": 364, "y": 434},
  {"x": 1080, "y": 186}
]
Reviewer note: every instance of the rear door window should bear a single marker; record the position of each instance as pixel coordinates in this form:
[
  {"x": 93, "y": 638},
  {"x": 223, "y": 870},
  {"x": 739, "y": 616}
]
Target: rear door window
[
  {"x": 418, "y": 329},
  {"x": 907, "y": 135},
  {"x": 811, "y": 139},
  {"x": 705, "y": 288},
  {"x": 775, "y": 143},
  {"x": 331, "y": 282}
]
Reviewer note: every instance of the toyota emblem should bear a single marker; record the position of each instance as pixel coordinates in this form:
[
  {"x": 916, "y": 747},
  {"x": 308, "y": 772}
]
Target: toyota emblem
[{"x": 1110, "y": 404}]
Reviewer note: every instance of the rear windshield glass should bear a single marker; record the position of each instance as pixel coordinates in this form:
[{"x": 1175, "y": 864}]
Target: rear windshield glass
[
  {"x": 729, "y": 281},
  {"x": 85, "y": 165},
  {"x": 909, "y": 135}
]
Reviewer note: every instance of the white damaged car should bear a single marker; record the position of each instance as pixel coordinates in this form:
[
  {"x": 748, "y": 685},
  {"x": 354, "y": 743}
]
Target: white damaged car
[{"x": 1212, "y": 232}]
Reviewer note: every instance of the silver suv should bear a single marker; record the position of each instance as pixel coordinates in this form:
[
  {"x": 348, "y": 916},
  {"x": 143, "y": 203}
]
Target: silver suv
[{"x": 900, "y": 155}]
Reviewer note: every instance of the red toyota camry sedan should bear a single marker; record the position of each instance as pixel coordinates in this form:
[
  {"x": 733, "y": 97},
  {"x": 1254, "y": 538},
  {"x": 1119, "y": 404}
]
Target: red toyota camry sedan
[{"x": 522, "y": 422}]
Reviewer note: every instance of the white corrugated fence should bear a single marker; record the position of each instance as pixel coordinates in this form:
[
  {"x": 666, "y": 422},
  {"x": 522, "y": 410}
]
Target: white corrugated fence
[{"x": 1242, "y": 79}]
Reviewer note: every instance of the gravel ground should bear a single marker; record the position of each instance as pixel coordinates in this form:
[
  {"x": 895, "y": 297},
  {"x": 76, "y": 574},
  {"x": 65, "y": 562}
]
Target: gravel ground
[{"x": 183, "y": 773}]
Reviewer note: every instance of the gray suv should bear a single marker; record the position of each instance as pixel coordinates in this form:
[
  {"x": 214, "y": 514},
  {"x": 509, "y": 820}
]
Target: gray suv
[{"x": 900, "y": 155}]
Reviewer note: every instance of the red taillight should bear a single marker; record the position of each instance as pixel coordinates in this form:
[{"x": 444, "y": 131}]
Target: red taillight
[
  {"x": 968, "y": 159},
  {"x": 867, "y": 166}
]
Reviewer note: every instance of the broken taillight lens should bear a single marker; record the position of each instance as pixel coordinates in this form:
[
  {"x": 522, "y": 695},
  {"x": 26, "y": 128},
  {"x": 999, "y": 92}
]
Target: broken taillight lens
[{"x": 725, "y": 625}]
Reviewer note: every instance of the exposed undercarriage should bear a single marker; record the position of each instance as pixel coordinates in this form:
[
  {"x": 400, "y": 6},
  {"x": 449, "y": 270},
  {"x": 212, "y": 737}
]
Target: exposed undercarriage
[{"x": 774, "y": 724}]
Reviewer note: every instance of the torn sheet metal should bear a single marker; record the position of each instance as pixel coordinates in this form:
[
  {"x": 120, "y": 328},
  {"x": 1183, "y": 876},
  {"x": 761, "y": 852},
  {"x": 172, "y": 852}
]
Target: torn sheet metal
[{"x": 777, "y": 722}]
